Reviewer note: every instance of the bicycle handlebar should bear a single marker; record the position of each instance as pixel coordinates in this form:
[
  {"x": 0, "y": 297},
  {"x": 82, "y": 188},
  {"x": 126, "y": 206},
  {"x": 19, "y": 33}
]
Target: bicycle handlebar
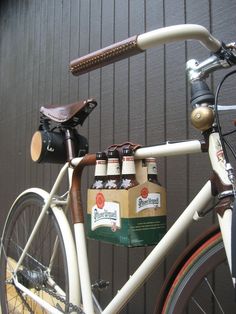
[
  {"x": 140, "y": 43},
  {"x": 176, "y": 33}
]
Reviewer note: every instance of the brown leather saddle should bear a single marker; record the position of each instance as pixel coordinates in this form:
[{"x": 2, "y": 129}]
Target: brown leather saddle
[{"x": 71, "y": 114}]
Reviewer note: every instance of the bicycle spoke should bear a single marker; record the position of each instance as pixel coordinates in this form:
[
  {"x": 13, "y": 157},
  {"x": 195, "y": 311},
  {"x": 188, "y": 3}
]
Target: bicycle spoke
[
  {"x": 213, "y": 293},
  {"x": 198, "y": 305},
  {"x": 56, "y": 243}
]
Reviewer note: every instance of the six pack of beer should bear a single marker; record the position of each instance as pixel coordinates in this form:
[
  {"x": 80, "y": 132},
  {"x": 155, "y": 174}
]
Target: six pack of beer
[{"x": 126, "y": 204}]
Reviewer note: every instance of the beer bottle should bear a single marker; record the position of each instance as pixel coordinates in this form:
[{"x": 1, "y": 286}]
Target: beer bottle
[
  {"x": 100, "y": 171},
  {"x": 152, "y": 170},
  {"x": 128, "y": 179},
  {"x": 113, "y": 170}
]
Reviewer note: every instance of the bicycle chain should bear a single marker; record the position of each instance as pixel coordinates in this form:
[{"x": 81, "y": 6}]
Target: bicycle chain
[{"x": 71, "y": 306}]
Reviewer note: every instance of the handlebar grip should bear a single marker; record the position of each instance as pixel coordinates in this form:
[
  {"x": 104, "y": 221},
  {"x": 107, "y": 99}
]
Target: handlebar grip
[
  {"x": 140, "y": 43},
  {"x": 118, "y": 51}
]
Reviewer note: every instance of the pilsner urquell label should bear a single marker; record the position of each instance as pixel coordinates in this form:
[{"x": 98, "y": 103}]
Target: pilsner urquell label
[
  {"x": 105, "y": 214},
  {"x": 148, "y": 200}
]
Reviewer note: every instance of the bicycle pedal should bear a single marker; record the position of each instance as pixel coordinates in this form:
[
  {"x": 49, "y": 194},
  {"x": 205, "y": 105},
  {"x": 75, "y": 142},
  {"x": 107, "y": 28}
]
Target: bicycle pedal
[{"x": 100, "y": 284}]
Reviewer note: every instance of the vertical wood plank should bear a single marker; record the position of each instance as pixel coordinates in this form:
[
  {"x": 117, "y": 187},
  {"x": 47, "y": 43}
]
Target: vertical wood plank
[
  {"x": 65, "y": 52},
  {"x": 36, "y": 169},
  {"x": 137, "y": 117},
  {"x": 74, "y": 46},
  {"x": 197, "y": 162},
  {"x": 94, "y": 122},
  {"x": 175, "y": 120},
  {"x": 155, "y": 123},
  {"x": 107, "y": 131},
  {"x": 29, "y": 36},
  {"x": 121, "y": 127}
]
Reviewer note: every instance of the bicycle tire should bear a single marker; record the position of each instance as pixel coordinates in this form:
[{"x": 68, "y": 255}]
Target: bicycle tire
[
  {"x": 33, "y": 272},
  {"x": 187, "y": 289}
]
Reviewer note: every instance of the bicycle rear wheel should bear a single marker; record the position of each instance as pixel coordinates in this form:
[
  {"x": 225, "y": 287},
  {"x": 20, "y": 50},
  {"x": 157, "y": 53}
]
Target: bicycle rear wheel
[
  {"x": 195, "y": 287},
  {"x": 44, "y": 269}
]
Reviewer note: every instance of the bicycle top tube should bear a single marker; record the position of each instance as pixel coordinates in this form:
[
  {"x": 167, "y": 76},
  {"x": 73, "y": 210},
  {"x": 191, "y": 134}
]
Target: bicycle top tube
[
  {"x": 170, "y": 149},
  {"x": 140, "y": 43}
]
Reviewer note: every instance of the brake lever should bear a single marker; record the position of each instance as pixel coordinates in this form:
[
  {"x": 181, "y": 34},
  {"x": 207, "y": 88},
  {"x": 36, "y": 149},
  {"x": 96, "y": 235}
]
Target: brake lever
[
  {"x": 227, "y": 53},
  {"x": 226, "y": 107}
]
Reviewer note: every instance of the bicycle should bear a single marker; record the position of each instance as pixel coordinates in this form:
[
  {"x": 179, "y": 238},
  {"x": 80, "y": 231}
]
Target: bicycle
[{"x": 44, "y": 269}]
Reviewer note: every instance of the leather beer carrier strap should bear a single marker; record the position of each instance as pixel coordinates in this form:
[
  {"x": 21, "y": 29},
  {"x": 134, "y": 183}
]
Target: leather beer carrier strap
[{"x": 121, "y": 146}]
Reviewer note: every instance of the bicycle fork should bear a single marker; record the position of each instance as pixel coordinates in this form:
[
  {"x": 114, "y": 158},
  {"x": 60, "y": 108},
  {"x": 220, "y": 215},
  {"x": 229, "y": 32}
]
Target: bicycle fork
[{"x": 222, "y": 185}]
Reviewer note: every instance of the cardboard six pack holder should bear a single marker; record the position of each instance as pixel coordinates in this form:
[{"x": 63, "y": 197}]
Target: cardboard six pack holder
[{"x": 134, "y": 217}]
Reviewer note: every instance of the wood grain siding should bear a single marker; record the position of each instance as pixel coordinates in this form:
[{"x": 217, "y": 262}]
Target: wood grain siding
[{"x": 142, "y": 99}]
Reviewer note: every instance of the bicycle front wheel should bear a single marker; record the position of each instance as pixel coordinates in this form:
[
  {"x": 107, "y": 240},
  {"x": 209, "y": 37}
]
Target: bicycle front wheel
[
  {"x": 203, "y": 284},
  {"x": 44, "y": 270}
]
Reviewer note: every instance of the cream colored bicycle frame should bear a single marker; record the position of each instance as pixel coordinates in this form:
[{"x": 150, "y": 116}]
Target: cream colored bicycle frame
[{"x": 163, "y": 247}]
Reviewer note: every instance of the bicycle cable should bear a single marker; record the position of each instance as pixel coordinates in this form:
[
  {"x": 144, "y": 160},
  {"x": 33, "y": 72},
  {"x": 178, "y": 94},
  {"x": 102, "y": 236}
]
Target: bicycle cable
[
  {"x": 223, "y": 141},
  {"x": 231, "y": 177}
]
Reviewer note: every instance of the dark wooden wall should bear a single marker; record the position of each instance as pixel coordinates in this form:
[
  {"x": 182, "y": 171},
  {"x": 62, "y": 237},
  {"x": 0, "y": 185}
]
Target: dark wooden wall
[{"x": 142, "y": 99}]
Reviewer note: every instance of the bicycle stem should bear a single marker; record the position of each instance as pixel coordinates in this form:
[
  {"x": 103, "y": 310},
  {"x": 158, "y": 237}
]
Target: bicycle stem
[{"x": 196, "y": 70}]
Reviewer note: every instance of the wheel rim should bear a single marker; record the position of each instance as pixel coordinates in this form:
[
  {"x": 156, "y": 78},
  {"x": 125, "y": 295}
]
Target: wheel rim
[{"x": 193, "y": 289}]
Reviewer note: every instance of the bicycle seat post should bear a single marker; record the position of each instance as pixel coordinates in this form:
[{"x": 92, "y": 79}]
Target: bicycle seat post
[{"x": 69, "y": 144}]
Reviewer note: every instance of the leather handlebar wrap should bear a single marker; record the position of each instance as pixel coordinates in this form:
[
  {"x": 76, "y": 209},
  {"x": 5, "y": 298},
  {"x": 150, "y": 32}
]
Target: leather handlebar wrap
[{"x": 105, "y": 56}]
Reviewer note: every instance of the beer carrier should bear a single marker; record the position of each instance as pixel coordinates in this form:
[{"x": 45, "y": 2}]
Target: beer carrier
[{"x": 133, "y": 217}]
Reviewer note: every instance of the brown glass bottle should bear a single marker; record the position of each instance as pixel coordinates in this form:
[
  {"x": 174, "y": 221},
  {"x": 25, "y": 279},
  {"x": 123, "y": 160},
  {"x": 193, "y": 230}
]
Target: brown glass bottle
[
  {"x": 152, "y": 170},
  {"x": 128, "y": 178},
  {"x": 100, "y": 171},
  {"x": 113, "y": 170}
]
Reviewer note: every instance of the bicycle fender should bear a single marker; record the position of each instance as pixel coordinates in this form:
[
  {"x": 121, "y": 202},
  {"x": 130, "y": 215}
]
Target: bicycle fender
[
  {"x": 38, "y": 191},
  {"x": 184, "y": 256},
  {"x": 69, "y": 244}
]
